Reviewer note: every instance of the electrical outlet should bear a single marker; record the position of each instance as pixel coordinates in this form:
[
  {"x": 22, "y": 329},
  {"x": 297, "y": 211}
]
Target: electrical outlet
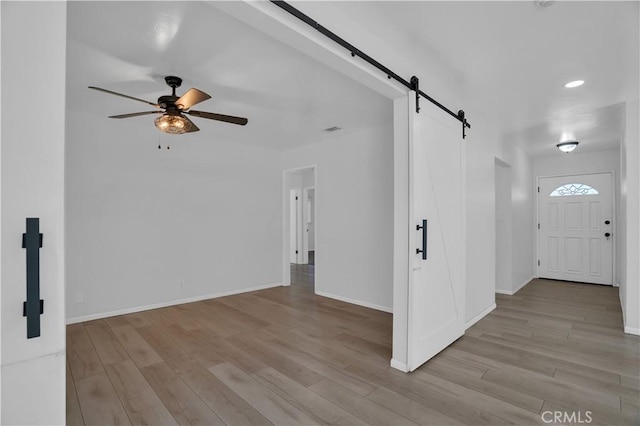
[{"x": 79, "y": 297}]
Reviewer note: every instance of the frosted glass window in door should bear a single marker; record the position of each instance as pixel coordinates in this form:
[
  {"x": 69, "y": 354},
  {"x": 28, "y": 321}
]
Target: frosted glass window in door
[{"x": 572, "y": 189}]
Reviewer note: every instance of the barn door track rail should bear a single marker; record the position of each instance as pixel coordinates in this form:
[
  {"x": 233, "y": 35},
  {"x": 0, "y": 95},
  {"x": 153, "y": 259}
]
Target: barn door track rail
[{"x": 413, "y": 84}]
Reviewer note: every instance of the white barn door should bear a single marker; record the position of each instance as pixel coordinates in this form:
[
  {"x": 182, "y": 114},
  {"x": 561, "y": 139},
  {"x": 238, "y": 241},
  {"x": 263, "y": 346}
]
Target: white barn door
[
  {"x": 437, "y": 194},
  {"x": 575, "y": 231}
]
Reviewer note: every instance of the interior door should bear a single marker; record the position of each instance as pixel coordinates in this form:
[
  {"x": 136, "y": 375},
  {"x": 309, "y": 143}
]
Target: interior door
[
  {"x": 436, "y": 282},
  {"x": 295, "y": 213},
  {"x": 575, "y": 236}
]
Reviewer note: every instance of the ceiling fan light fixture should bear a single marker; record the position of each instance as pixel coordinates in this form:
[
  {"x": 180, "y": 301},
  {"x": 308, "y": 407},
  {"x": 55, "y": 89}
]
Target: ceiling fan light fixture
[
  {"x": 567, "y": 146},
  {"x": 174, "y": 124},
  {"x": 172, "y": 121}
]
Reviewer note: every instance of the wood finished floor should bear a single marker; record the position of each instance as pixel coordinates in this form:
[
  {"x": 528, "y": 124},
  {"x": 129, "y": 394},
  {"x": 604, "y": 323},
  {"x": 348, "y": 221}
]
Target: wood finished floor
[{"x": 286, "y": 356}]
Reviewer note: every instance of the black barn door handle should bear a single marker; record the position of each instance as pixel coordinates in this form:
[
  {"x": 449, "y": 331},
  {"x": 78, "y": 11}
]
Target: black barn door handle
[
  {"x": 34, "y": 306},
  {"x": 424, "y": 239}
]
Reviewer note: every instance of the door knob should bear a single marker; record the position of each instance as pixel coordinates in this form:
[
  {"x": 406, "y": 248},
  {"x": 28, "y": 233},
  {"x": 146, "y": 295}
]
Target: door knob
[
  {"x": 607, "y": 222},
  {"x": 607, "y": 235}
]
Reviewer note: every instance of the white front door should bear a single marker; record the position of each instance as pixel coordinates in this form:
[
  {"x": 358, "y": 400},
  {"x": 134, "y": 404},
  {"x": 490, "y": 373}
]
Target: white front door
[
  {"x": 575, "y": 236},
  {"x": 436, "y": 284}
]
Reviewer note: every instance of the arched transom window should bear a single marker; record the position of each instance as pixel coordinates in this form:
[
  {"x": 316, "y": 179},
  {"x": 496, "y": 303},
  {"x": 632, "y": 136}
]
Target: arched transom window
[{"x": 571, "y": 189}]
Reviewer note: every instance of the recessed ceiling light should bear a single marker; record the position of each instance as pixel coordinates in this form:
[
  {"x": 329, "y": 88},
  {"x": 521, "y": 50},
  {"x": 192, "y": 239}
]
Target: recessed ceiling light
[{"x": 574, "y": 83}]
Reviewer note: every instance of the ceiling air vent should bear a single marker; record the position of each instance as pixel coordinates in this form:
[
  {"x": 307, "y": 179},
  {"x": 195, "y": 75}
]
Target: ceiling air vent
[{"x": 332, "y": 129}]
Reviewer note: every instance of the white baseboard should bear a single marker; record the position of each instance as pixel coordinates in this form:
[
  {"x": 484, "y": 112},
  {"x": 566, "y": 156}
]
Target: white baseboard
[
  {"x": 631, "y": 330},
  {"x": 125, "y": 311},
  {"x": 517, "y": 289},
  {"x": 628, "y": 330},
  {"x": 478, "y": 317},
  {"x": 399, "y": 366},
  {"x": 355, "y": 302}
]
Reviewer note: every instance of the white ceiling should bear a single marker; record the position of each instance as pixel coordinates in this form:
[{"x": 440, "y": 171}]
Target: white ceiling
[
  {"x": 129, "y": 47},
  {"x": 513, "y": 59}
]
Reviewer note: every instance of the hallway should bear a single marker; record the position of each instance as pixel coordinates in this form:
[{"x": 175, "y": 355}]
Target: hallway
[{"x": 286, "y": 356}]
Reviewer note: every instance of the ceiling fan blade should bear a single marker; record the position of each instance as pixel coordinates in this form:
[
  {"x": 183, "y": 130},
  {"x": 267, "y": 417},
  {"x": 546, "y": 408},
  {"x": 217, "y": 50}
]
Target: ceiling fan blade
[
  {"x": 193, "y": 127},
  {"x": 124, "y": 96},
  {"x": 192, "y": 97},
  {"x": 219, "y": 117},
  {"x": 135, "y": 114}
]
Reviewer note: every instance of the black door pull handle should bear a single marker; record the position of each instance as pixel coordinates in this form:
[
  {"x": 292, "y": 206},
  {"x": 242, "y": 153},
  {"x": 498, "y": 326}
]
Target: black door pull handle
[
  {"x": 423, "y": 227},
  {"x": 34, "y": 306}
]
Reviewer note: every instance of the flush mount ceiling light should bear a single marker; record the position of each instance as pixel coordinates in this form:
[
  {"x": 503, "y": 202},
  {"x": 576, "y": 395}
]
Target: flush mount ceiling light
[
  {"x": 574, "y": 83},
  {"x": 567, "y": 146}
]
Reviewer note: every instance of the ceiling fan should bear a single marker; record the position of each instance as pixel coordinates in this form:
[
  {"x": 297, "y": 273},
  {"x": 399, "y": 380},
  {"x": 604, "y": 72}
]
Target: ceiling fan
[{"x": 172, "y": 119}]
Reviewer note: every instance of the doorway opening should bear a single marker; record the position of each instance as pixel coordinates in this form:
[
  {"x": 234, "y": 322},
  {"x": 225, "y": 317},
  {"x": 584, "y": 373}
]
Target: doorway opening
[{"x": 300, "y": 227}]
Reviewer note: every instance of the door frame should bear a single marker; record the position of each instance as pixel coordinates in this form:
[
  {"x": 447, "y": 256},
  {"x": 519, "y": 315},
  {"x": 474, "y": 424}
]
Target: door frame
[
  {"x": 286, "y": 220},
  {"x": 614, "y": 215},
  {"x": 305, "y": 222}
]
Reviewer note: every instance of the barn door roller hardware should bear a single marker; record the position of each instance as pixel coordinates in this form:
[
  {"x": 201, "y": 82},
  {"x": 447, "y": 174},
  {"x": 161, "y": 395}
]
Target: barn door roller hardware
[
  {"x": 411, "y": 85},
  {"x": 34, "y": 306}
]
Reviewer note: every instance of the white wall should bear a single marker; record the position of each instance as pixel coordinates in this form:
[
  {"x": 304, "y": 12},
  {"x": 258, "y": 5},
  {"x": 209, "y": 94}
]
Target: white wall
[
  {"x": 485, "y": 144},
  {"x": 577, "y": 163},
  {"x": 630, "y": 197},
  {"x": 32, "y": 176},
  {"x": 504, "y": 229},
  {"x": 302, "y": 179},
  {"x": 523, "y": 219},
  {"x": 295, "y": 180},
  {"x": 354, "y": 214},
  {"x": 148, "y": 227},
  {"x": 0, "y": 211},
  {"x": 308, "y": 178},
  {"x": 483, "y": 147},
  {"x": 630, "y": 212}
]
